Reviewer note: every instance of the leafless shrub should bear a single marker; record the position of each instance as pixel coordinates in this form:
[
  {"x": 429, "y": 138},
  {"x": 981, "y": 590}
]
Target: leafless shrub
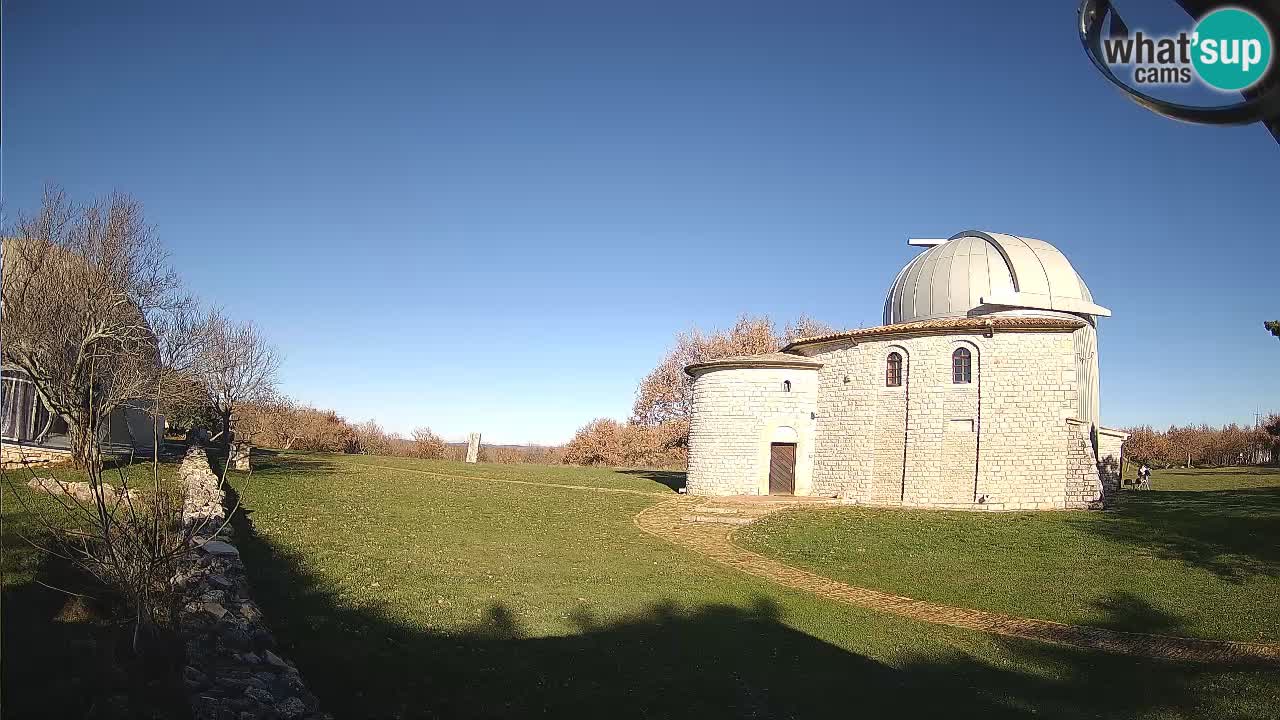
[
  {"x": 237, "y": 366},
  {"x": 371, "y": 439},
  {"x": 131, "y": 537},
  {"x": 607, "y": 442},
  {"x": 427, "y": 444}
]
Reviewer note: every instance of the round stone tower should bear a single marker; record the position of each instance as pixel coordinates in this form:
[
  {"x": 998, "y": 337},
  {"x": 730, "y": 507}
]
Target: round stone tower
[{"x": 752, "y": 427}]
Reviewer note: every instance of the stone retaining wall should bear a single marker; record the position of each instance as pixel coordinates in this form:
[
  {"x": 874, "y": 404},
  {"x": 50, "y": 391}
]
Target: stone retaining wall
[
  {"x": 233, "y": 672},
  {"x": 16, "y": 455}
]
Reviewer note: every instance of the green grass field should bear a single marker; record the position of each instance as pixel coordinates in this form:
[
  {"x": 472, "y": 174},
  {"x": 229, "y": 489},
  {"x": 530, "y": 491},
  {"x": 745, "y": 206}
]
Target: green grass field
[
  {"x": 1197, "y": 556},
  {"x": 407, "y": 588},
  {"x": 426, "y": 590}
]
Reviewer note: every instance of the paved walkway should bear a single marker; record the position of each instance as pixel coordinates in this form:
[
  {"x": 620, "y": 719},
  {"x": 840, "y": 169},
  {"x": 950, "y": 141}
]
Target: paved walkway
[{"x": 706, "y": 526}]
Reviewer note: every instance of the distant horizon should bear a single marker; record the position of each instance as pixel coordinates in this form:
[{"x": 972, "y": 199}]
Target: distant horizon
[{"x": 496, "y": 219}]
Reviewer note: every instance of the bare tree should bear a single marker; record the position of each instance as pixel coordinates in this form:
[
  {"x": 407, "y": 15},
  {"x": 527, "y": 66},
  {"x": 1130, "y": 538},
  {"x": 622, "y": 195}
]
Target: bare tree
[
  {"x": 93, "y": 317},
  {"x": 236, "y": 366},
  {"x": 370, "y": 438},
  {"x": 84, "y": 290},
  {"x": 804, "y": 327},
  {"x": 665, "y": 395}
]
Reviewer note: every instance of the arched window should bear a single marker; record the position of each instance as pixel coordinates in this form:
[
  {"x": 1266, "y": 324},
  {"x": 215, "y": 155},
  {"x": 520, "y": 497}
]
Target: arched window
[
  {"x": 961, "y": 366},
  {"x": 786, "y": 386},
  {"x": 893, "y": 370}
]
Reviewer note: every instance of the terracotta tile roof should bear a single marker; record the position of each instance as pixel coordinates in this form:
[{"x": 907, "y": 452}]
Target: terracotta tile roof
[
  {"x": 961, "y": 324},
  {"x": 774, "y": 359}
]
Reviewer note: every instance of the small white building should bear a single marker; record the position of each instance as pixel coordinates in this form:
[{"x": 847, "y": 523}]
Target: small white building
[{"x": 979, "y": 391}]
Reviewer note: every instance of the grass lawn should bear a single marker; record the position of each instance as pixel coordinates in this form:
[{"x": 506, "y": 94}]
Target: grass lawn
[
  {"x": 1198, "y": 556},
  {"x": 416, "y": 588}
]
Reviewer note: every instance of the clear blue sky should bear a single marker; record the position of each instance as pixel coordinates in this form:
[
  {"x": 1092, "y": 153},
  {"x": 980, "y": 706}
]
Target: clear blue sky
[{"x": 495, "y": 216}]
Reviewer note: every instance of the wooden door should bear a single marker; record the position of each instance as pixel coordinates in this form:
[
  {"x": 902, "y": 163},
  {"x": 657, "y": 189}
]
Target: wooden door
[{"x": 782, "y": 469}]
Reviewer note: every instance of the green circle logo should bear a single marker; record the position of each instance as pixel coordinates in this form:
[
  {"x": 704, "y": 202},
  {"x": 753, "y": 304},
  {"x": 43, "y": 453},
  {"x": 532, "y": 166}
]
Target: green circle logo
[{"x": 1232, "y": 49}]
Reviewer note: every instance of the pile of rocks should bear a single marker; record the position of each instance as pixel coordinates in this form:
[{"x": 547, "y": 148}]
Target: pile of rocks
[
  {"x": 79, "y": 490},
  {"x": 232, "y": 672}
]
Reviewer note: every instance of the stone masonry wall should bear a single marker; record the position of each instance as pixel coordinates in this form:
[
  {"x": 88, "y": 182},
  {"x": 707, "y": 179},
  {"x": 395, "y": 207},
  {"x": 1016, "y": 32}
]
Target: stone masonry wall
[
  {"x": 13, "y": 455},
  {"x": 1005, "y": 433},
  {"x": 848, "y": 399},
  {"x": 890, "y": 437},
  {"x": 1083, "y": 489},
  {"x": 233, "y": 672},
  {"x": 737, "y": 412}
]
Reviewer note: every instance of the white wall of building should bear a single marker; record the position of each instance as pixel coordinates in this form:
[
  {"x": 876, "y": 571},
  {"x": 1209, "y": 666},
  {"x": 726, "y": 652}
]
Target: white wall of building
[
  {"x": 1002, "y": 439},
  {"x": 737, "y": 414}
]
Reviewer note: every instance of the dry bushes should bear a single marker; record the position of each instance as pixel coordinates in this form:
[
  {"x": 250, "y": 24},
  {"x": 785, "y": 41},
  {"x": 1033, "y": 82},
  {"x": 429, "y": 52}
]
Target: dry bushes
[
  {"x": 282, "y": 423},
  {"x": 427, "y": 444},
  {"x": 607, "y": 442},
  {"x": 1205, "y": 446},
  {"x": 519, "y": 454}
]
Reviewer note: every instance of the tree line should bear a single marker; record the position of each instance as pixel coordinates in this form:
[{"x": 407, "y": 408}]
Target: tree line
[
  {"x": 1204, "y": 445},
  {"x": 286, "y": 424}
]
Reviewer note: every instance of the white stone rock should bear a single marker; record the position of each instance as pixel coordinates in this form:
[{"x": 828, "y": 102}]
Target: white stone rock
[{"x": 218, "y": 547}]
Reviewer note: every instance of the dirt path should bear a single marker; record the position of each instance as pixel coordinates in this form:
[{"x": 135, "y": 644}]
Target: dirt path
[{"x": 706, "y": 525}]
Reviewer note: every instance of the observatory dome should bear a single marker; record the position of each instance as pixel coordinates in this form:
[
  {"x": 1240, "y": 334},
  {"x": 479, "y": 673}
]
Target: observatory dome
[{"x": 979, "y": 273}]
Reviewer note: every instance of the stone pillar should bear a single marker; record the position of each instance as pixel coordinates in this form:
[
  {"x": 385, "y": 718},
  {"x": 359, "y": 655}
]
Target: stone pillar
[
  {"x": 473, "y": 447},
  {"x": 238, "y": 456}
]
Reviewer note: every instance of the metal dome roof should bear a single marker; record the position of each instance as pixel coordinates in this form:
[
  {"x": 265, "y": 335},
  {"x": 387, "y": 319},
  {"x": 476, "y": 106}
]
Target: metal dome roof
[{"x": 979, "y": 273}]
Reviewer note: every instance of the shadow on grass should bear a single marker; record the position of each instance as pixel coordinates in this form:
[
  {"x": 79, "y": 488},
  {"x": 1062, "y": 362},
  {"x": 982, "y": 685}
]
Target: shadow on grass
[
  {"x": 266, "y": 462},
  {"x": 678, "y": 661},
  {"x": 1127, "y": 612},
  {"x": 71, "y": 657},
  {"x": 1233, "y": 533},
  {"x": 673, "y": 479}
]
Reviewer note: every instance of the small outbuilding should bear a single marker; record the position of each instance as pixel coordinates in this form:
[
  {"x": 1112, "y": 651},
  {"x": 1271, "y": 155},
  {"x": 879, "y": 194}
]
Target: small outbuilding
[{"x": 979, "y": 391}]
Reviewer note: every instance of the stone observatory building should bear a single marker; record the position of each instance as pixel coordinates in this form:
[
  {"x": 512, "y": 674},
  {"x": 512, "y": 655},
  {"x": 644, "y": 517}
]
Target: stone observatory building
[{"x": 979, "y": 391}]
